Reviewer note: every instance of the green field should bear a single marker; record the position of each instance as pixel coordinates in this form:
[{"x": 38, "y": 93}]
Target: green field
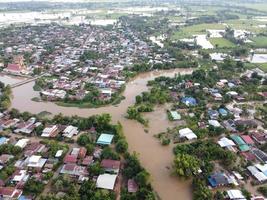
[
  {"x": 189, "y": 31},
  {"x": 262, "y": 66},
  {"x": 221, "y": 42},
  {"x": 260, "y": 41},
  {"x": 257, "y": 6},
  {"x": 246, "y": 24},
  {"x": 104, "y": 15}
]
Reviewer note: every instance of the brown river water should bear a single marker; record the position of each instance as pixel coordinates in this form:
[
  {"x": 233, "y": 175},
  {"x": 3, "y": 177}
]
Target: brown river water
[{"x": 154, "y": 157}]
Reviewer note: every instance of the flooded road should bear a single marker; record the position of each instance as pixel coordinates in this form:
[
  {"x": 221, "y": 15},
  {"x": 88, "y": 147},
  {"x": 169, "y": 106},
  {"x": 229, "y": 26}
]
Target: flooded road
[{"x": 154, "y": 157}]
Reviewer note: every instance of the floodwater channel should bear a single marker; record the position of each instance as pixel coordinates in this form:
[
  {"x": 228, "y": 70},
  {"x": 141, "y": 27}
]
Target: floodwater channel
[{"x": 157, "y": 159}]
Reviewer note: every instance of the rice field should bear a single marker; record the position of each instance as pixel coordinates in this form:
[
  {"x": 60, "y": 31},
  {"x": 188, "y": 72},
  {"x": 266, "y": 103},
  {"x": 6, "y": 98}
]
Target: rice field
[
  {"x": 246, "y": 24},
  {"x": 189, "y": 31},
  {"x": 221, "y": 43},
  {"x": 260, "y": 41},
  {"x": 257, "y": 6}
]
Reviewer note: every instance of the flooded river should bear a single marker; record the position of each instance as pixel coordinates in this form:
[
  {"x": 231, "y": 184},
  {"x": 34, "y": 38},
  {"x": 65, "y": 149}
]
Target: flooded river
[{"x": 154, "y": 157}]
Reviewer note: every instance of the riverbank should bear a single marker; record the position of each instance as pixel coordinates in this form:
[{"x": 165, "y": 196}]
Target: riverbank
[{"x": 154, "y": 157}]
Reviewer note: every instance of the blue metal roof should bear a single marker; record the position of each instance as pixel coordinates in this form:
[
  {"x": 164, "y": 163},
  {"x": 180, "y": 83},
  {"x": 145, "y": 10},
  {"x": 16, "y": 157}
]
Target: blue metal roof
[
  {"x": 189, "y": 101},
  {"x": 2, "y": 140},
  {"x": 105, "y": 139},
  {"x": 223, "y": 112}
]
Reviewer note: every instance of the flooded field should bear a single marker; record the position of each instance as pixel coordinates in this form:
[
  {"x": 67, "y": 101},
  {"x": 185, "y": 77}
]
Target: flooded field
[
  {"x": 10, "y": 79},
  {"x": 158, "y": 40},
  {"x": 67, "y": 18},
  {"x": 203, "y": 42},
  {"x": 259, "y": 58},
  {"x": 154, "y": 157}
]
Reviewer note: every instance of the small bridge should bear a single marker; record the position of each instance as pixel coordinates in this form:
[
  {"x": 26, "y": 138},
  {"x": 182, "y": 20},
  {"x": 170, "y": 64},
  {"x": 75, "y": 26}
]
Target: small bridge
[{"x": 24, "y": 82}]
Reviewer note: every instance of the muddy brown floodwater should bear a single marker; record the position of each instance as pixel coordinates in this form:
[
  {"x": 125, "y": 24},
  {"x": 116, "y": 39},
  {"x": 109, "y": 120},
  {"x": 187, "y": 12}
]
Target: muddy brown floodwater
[{"x": 154, "y": 157}]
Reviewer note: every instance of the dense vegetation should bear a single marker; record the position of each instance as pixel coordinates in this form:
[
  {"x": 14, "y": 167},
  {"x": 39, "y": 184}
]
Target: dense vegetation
[{"x": 5, "y": 95}]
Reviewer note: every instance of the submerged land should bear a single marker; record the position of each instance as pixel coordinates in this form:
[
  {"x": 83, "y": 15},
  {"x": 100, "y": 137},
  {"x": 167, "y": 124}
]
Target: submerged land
[{"x": 133, "y": 100}]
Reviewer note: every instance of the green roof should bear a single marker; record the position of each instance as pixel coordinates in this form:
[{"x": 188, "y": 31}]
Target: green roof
[
  {"x": 238, "y": 140},
  {"x": 244, "y": 147}
]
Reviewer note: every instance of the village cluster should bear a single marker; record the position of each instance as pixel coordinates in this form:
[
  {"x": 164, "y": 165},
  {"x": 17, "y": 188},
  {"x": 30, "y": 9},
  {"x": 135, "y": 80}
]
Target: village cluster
[
  {"x": 29, "y": 156},
  {"x": 73, "y": 63},
  {"x": 214, "y": 111},
  {"x": 233, "y": 116}
]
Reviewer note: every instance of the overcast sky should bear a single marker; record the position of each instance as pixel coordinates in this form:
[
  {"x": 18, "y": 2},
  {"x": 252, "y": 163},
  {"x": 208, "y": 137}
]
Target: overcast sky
[{"x": 7, "y": 1}]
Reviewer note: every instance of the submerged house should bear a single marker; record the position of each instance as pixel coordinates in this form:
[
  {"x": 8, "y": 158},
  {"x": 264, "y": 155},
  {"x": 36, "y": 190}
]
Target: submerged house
[
  {"x": 189, "y": 101},
  {"x": 221, "y": 179}
]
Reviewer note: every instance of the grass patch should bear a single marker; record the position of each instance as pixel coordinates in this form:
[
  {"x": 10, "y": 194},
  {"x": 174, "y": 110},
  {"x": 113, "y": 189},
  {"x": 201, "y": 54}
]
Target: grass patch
[
  {"x": 104, "y": 15},
  {"x": 43, "y": 114},
  {"x": 260, "y": 41},
  {"x": 221, "y": 43},
  {"x": 257, "y": 6},
  {"x": 246, "y": 24},
  {"x": 78, "y": 105},
  {"x": 118, "y": 100},
  {"x": 36, "y": 99},
  {"x": 37, "y": 87},
  {"x": 189, "y": 31},
  {"x": 262, "y": 66}
]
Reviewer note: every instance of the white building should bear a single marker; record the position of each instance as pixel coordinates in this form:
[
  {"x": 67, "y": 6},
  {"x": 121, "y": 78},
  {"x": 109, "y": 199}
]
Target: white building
[
  {"x": 235, "y": 195},
  {"x": 106, "y": 181},
  {"x": 36, "y": 161},
  {"x": 258, "y": 175},
  {"x": 225, "y": 142},
  {"x": 70, "y": 131},
  {"x": 49, "y": 131},
  {"x": 187, "y": 133},
  {"x": 22, "y": 143},
  {"x": 214, "y": 123},
  {"x": 21, "y": 176}
]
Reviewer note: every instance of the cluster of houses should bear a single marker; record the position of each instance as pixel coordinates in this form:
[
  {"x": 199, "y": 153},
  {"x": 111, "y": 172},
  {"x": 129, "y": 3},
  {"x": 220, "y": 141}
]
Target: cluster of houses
[
  {"x": 77, "y": 56},
  {"x": 35, "y": 159},
  {"x": 32, "y": 162},
  {"x": 243, "y": 132}
]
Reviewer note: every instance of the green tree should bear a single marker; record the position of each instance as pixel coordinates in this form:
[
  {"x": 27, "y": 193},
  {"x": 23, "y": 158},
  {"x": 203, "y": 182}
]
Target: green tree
[
  {"x": 121, "y": 146},
  {"x": 138, "y": 99},
  {"x": 186, "y": 165},
  {"x": 87, "y": 190},
  {"x": 142, "y": 178},
  {"x": 84, "y": 139},
  {"x": 33, "y": 186},
  {"x": 263, "y": 190},
  {"x": 95, "y": 169},
  {"x": 89, "y": 148},
  {"x": 201, "y": 191}
]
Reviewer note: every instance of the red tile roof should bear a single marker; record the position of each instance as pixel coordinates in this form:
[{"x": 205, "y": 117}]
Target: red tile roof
[
  {"x": 13, "y": 67},
  {"x": 110, "y": 164},
  {"x": 70, "y": 167},
  {"x": 2, "y": 183},
  {"x": 132, "y": 186},
  {"x": 10, "y": 192},
  {"x": 70, "y": 159},
  {"x": 248, "y": 156},
  {"x": 87, "y": 160},
  {"x": 33, "y": 148},
  {"x": 247, "y": 139},
  {"x": 4, "y": 158},
  {"x": 82, "y": 152},
  {"x": 259, "y": 137}
]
